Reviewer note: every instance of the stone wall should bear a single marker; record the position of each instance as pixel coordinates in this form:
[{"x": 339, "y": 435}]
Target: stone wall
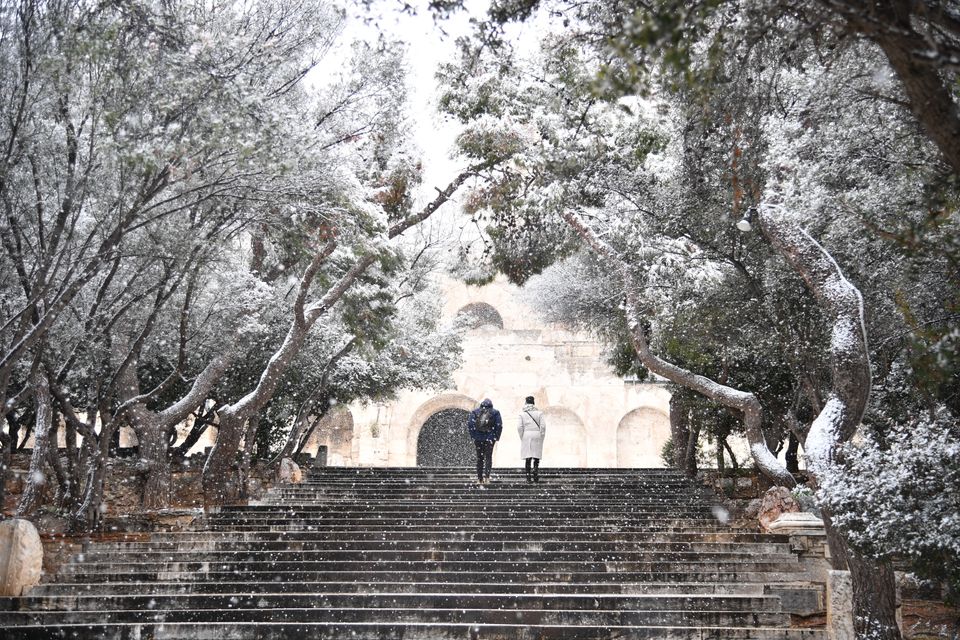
[
  {"x": 594, "y": 418},
  {"x": 121, "y": 504}
]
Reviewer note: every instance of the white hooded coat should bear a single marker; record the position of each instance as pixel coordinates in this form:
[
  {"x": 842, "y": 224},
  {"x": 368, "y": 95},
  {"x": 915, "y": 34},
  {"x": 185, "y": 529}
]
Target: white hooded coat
[{"x": 532, "y": 428}]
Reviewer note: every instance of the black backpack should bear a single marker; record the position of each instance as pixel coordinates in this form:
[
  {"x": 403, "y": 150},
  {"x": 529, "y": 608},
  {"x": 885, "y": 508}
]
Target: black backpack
[{"x": 484, "y": 422}]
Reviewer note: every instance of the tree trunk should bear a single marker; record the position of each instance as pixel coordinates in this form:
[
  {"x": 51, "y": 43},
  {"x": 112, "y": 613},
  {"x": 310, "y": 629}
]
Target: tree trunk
[
  {"x": 874, "y": 587},
  {"x": 249, "y": 444},
  {"x": 743, "y": 401},
  {"x": 303, "y": 428},
  {"x": 36, "y": 479},
  {"x": 61, "y": 498},
  {"x": 219, "y": 478},
  {"x": 89, "y": 514},
  {"x": 874, "y": 591},
  {"x": 733, "y": 458},
  {"x": 891, "y": 25},
  {"x": 73, "y": 466},
  {"x": 792, "y": 457},
  {"x": 874, "y": 598},
  {"x": 6, "y": 460},
  {"x": 690, "y": 463},
  {"x": 679, "y": 430},
  {"x": 199, "y": 427},
  {"x": 154, "y": 464}
]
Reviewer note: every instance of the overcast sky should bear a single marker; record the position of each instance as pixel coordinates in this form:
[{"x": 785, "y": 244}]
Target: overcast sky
[{"x": 429, "y": 44}]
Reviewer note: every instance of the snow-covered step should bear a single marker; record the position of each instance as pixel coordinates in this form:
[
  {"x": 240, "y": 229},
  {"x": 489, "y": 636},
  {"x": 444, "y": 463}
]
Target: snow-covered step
[{"x": 428, "y": 554}]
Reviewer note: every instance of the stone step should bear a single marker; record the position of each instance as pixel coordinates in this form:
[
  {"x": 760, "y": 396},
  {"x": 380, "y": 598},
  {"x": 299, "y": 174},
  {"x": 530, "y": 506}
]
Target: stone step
[
  {"x": 290, "y": 586},
  {"x": 280, "y": 630},
  {"x": 466, "y": 517},
  {"x": 320, "y": 502},
  {"x": 535, "y": 531},
  {"x": 426, "y": 600},
  {"x": 120, "y": 566},
  {"x": 466, "y": 469},
  {"x": 388, "y": 555},
  {"x": 462, "y": 504},
  {"x": 488, "y": 494},
  {"x": 544, "y": 484},
  {"x": 427, "y": 553},
  {"x": 455, "y": 615},
  {"x": 692, "y": 574},
  {"x": 719, "y": 534},
  {"x": 433, "y": 545},
  {"x": 462, "y": 510}
]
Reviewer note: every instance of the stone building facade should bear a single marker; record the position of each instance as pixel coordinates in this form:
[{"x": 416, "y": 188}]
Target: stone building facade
[{"x": 594, "y": 418}]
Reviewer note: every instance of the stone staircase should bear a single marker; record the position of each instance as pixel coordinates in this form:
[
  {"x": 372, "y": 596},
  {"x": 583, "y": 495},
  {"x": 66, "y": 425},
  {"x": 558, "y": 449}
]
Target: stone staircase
[{"x": 418, "y": 553}]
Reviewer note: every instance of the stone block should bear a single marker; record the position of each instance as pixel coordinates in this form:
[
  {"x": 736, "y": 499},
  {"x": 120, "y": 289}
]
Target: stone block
[
  {"x": 290, "y": 472},
  {"x": 801, "y": 600},
  {"x": 21, "y": 557},
  {"x": 797, "y": 523},
  {"x": 752, "y": 509},
  {"x": 840, "y": 606},
  {"x": 776, "y": 501}
]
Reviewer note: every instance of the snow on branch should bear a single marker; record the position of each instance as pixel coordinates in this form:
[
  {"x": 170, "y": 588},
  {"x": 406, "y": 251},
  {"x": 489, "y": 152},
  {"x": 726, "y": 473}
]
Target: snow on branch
[{"x": 743, "y": 401}]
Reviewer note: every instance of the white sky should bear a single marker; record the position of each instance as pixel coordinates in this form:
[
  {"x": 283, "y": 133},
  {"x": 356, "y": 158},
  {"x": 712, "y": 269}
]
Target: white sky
[{"x": 429, "y": 44}]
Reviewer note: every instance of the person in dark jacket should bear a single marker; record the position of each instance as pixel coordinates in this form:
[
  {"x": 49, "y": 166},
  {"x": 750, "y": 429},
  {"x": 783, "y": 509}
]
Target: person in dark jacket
[{"x": 485, "y": 425}]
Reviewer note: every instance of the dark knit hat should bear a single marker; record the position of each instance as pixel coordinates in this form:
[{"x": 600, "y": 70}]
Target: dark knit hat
[{"x": 529, "y": 400}]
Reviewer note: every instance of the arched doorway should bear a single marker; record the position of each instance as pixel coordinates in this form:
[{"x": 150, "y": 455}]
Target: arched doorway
[
  {"x": 641, "y": 435},
  {"x": 566, "y": 441},
  {"x": 479, "y": 314},
  {"x": 444, "y": 441}
]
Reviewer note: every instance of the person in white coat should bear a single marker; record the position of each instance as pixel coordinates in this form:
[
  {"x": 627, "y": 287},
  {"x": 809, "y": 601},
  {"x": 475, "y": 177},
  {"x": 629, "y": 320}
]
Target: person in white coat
[{"x": 532, "y": 429}]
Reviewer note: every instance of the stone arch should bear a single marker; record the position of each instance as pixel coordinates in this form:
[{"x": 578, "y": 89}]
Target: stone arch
[
  {"x": 479, "y": 314},
  {"x": 427, "y": 409},
  {"x": 641, "y": 435},
  {"x": 335, "y": 432},
  {"x": 566, "y": 441}
]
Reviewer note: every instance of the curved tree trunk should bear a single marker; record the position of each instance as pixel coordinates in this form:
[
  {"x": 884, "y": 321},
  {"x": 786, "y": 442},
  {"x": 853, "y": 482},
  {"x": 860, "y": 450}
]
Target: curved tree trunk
[
  {"x": 43, "y": 440},
  {"x": 88, "y": 515},
  {"x": 874, "y": 590},
  {"x": 6, "y": 460},
  {"x": 219, "y": 478},
  {"x": 743, "y": 401},
  {"x": 200, "y": 425},
  {"x": 216, "y": 472},
  {"x": 911, "y": 48}
]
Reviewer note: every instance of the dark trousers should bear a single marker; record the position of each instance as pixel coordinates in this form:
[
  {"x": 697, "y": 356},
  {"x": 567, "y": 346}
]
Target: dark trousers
[
  {"x": 536, "y": 467},
  {"x": 484, "y": 458}
]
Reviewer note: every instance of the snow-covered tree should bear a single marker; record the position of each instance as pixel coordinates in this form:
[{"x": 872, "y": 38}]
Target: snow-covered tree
[{"x": 746, "y": 110}]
